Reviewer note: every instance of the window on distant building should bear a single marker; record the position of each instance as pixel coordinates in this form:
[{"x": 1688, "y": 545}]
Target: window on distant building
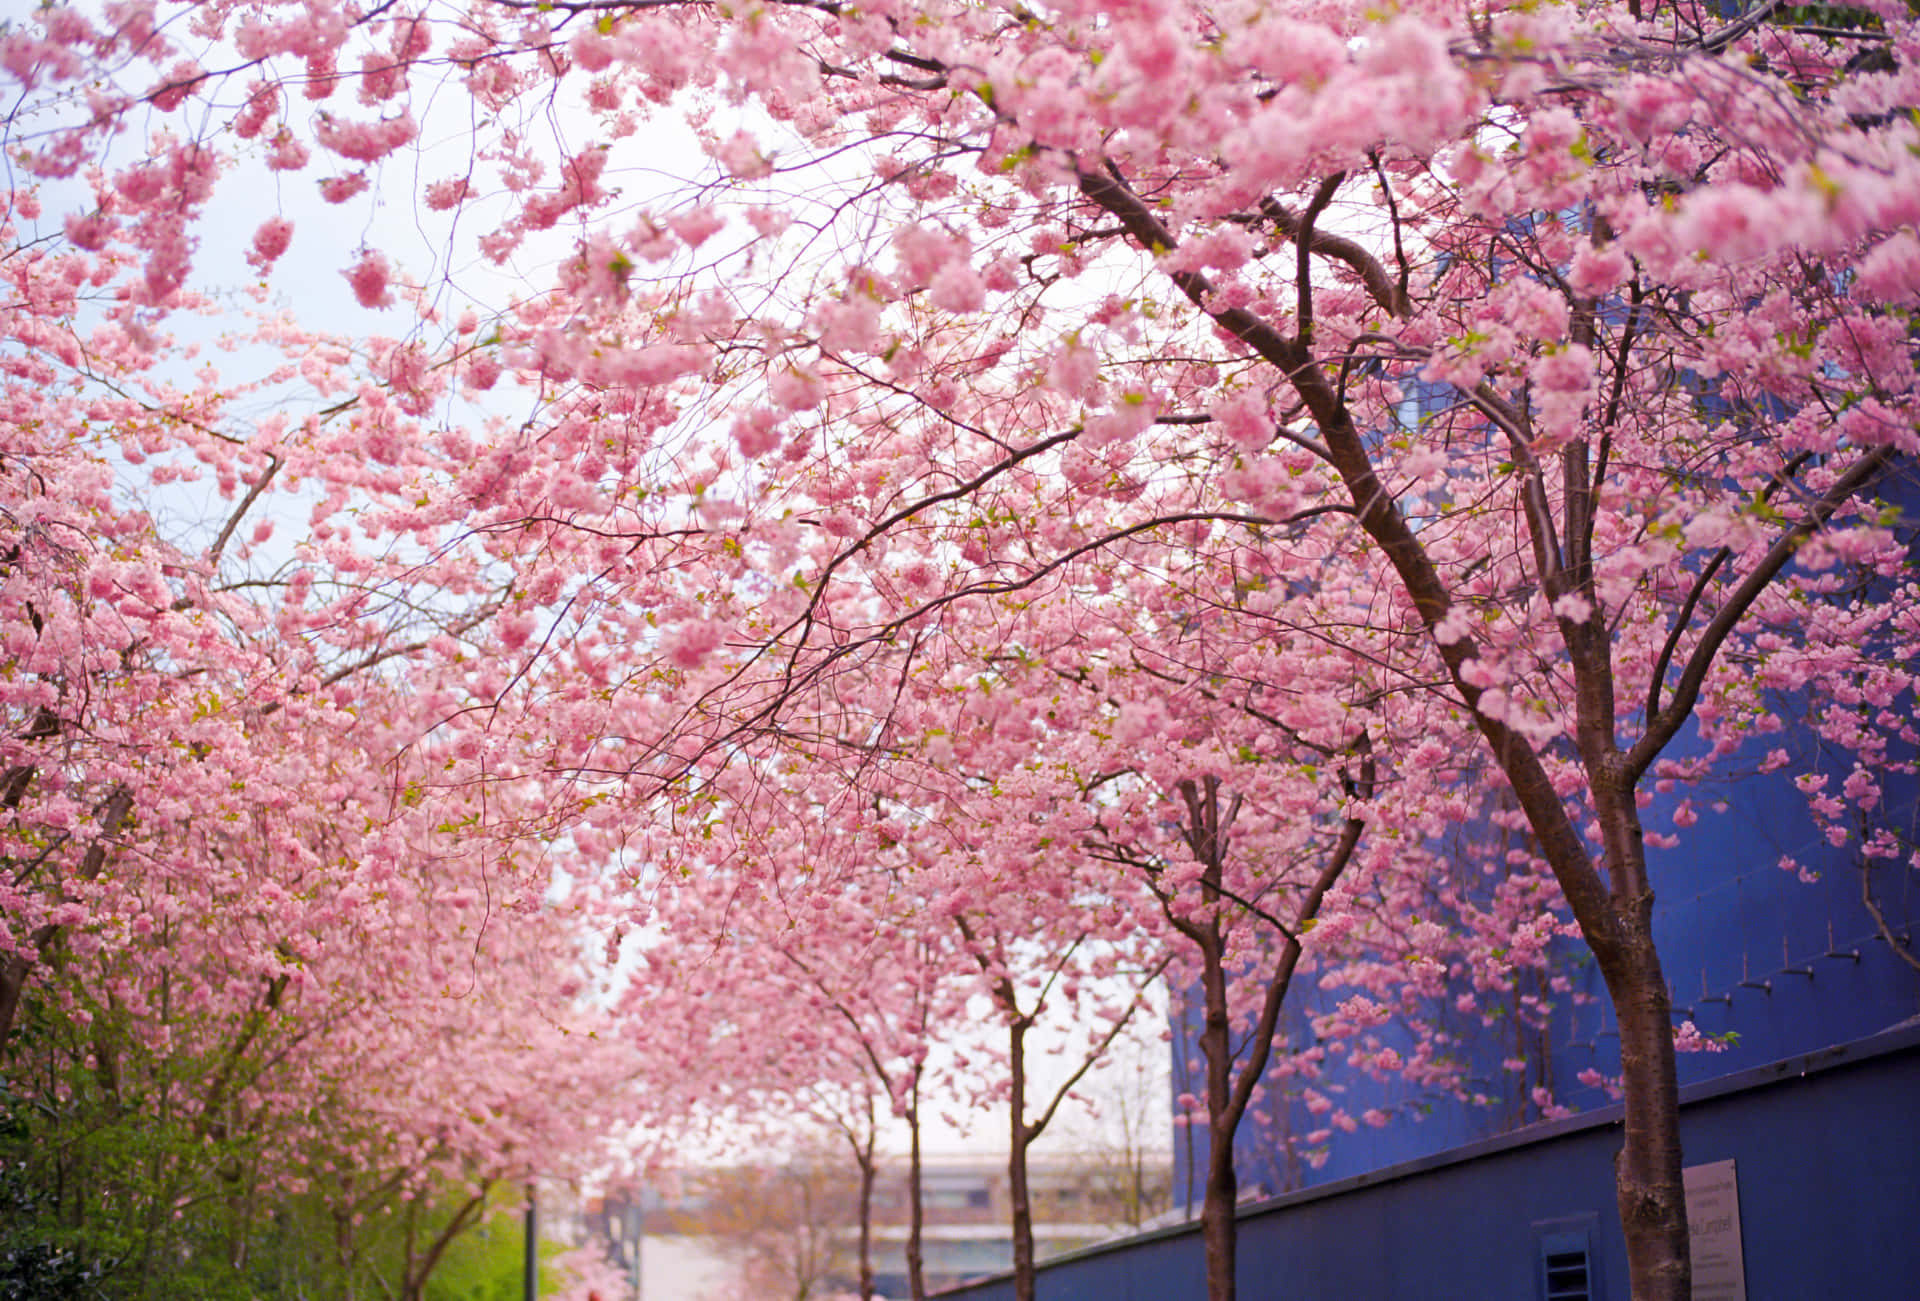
[{"x": 957, "y": 1197}]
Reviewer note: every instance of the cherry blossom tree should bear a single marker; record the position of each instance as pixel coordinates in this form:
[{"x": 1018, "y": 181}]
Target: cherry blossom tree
[
  {"x": 289, "y": 996},
  {"x": 877, "y": 904},
  {"x": 1230, "y": 766},
  {"x": 1039, "y": 744},
  {"x": 790, "y": 976},
  {"x": 853, "y": 1112}
]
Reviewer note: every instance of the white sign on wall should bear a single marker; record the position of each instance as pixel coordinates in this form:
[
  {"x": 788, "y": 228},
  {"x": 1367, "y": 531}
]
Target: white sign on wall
[{"x": 1713, "y": 1221}]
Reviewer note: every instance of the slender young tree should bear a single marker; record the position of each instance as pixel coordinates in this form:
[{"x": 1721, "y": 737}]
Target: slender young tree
[
  {"x": 799, "y": 962},
  {"x": 853, "y": 1112}
]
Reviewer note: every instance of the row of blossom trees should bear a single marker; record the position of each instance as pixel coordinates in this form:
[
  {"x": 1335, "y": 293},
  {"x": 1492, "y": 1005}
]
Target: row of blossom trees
[
  {"x": 1064, "y": 495},
  {"x": 290, "y": 992},
  {"x": 272, "y": 1012}
]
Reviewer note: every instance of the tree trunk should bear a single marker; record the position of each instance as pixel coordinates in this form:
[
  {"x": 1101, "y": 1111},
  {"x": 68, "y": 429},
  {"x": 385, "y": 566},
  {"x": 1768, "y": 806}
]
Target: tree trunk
[
  {"x": 344, "y": 1252},
  {"x": 419, "y": 1268},
  {"x": 13, "y": 980},
  {"x": 1615, "y": 911},
  {"x": 1219, "y": 1227},
  {"x": 1228, "y": 1095},
  {"x": 916, "y": 1213},
  {"x": 1219, "y": 1231},
  {"x": 866, "y": 1225},
  {"x": 13, "y": 789},
  {"x": 1018, "y": 1195},
  {"x": 1647, "y": 1171},
  {"x": 18, "y": 966}
]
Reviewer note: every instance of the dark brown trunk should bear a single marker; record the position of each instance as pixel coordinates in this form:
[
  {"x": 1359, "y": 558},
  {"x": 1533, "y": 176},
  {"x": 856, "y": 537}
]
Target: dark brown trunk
[
  {"x": 1219, "y": 1231},
  {"x": 1018, "y": 1196},
  {"x": 1219, "y": 1225},
  {"x": 18, "y": 966},
  {"x": 1647, "y": 1171},
  {"x": 344, "y": 1252},
  {"x": 916, "y": 1212},
  {"x": 13, "y": 980},
  {"x": 1615, "y": 912},
  {"x": 1651, "y": 1195},
  {"x": 419, "y": 1268},
  {"x": 866, "y": 1224},
  {"x": 13, "y": 788}
]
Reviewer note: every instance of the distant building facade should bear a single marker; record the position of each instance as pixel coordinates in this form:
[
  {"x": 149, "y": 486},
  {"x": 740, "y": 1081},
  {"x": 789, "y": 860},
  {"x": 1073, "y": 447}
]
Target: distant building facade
[{"x": 765, "y": 1232}]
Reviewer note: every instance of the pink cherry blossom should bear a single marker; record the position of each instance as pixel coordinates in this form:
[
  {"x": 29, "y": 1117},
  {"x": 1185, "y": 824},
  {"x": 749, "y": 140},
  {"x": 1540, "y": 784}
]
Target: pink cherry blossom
[{"x": 370, "y": 278}]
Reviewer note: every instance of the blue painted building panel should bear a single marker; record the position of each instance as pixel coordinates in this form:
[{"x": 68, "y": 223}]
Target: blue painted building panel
[
  {"x": 1827, "y": 1155},
  {"x": 1772, "y": 964}
]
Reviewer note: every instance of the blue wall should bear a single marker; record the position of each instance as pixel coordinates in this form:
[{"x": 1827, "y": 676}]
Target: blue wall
[
  {"x": 1774, "y": 964},
  {"x": 1827, "y": 1152}
]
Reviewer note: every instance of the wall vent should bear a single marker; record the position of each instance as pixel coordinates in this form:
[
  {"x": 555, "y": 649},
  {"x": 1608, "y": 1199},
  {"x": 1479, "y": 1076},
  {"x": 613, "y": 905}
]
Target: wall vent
[
  {"x": 1565, "y": 1269},
  {"x": 1565, "y": 1254}
]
